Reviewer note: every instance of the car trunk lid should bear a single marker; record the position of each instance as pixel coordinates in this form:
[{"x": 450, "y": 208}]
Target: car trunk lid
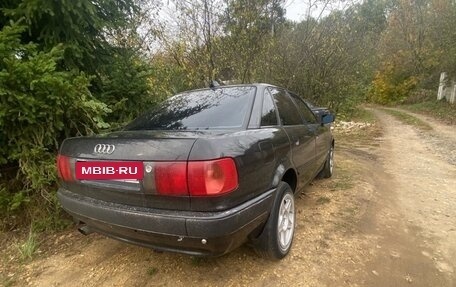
[
  {"x": 132, "y": 146},
  {"x": 146, "y": 147}
]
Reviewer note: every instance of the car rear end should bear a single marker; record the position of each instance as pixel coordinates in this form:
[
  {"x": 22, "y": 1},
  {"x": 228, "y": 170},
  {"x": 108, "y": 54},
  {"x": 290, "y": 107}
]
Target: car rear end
[{"x": 139, "y": 186}]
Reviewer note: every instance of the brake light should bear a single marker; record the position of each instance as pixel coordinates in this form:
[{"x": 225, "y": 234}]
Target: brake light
[
  {"x": 64, "y": 168},
  {"x": 213, "y": 177},
  {"x": 195, "y": 178}
]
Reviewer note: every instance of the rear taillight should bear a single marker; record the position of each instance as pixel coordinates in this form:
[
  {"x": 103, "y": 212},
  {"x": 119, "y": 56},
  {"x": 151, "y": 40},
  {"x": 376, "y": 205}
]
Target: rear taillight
[
  {"x": 212, "y": 177},
  {"x": 64, "y": 168},
  {"x": 195, "y": 178}
]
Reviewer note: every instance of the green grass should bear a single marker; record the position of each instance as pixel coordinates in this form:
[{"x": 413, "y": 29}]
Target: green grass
[
  {"x": 343, "y": 184},
  {"x": 151, "y": 271},
  {"x": 425, "y": 102},
  {"x": 52, "y": 222},
  {"x": 409, "y": 119},
  {"x": 343, "y": 179},
  {"x": 440, "y": 110},
  {"x": 363, "y": 115},
  {"x": 323, "y": 200},
  {"x": 7, "y": 282},
  {"x": 198, "y": 260},
  {"x": 29, "y": 247}
]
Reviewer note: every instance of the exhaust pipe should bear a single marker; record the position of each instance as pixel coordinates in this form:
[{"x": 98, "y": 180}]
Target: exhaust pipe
[{"x": 85, "y": 230}]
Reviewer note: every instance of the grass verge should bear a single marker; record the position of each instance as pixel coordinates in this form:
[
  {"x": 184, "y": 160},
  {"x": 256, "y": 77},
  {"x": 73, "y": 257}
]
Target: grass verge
[
  {"x": 440, "y": 110},
  {"x": 409, "y": 119},
  {"x": 363, "y": 115},
  {"x": 6, "y": 282}
]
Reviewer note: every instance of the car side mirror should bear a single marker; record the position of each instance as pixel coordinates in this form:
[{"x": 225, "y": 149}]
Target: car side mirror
[{"x": 327, "y": 119}]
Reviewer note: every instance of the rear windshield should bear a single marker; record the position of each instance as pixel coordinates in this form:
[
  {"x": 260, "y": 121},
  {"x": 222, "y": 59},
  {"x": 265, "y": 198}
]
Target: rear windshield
[{"x": 219, "y": 108}]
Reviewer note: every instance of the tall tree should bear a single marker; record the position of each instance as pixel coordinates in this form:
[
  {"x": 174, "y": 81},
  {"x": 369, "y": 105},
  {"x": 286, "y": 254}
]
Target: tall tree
[
  {"x": 411, "y": 50},
  {"x": 250, "y": 27},
  {"x": 84, "y": 27}
]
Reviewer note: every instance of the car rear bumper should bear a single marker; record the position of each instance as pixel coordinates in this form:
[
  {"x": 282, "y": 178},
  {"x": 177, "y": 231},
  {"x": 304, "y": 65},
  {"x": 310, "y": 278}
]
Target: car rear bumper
[{"x": 195, "y": 233}]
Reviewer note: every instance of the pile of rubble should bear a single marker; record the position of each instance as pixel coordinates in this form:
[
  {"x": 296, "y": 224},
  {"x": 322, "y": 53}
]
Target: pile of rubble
[{"x": 343, "y": 126}]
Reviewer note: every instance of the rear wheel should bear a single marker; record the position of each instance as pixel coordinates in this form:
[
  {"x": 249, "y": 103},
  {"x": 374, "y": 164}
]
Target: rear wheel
[{"x": 277, "y": 237}]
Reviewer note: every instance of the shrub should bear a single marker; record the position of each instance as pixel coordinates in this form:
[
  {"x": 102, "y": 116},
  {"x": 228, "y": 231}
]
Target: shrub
[
  {"x": 388, "y": 89},
  {"x": 39, "y": 106}
]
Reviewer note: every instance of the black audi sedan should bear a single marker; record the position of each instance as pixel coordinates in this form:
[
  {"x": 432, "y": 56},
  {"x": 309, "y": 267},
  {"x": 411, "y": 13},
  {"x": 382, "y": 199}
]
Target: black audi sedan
[{"x": 201, "y": 173}]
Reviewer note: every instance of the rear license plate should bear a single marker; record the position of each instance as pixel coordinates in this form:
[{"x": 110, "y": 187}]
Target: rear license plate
[{"x": 106, "y": 170}]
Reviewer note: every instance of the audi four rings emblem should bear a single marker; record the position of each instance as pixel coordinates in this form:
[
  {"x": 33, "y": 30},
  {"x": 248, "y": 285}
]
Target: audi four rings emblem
[{"x": 104, "y": 148}]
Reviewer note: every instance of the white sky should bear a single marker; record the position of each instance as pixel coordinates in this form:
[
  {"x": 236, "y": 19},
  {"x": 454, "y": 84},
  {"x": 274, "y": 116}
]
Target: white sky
[
  {"x": 295, "y": 10},
  {"x": 298, "y": 10}
]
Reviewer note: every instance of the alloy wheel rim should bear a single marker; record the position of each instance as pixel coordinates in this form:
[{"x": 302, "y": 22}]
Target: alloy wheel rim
[
  {"x": 286, "y": 222},
  {"x": 331, "y": 160}
]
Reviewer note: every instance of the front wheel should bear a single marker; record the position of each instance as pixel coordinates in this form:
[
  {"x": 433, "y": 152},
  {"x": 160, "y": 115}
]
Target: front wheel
[
  {"x": 277, "y": 237},
  {"x": 328, "y": 168}
]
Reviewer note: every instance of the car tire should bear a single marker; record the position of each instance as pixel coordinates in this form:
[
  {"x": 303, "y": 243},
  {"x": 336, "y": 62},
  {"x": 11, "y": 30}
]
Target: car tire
[
  {"x": 277, "y": 237},
  {"x": 328, "y": 168}
]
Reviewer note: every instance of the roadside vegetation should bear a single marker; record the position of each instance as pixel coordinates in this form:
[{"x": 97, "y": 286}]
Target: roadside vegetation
[
  {"x": 28, "y": 247},
  {"x": 424, "y": 102},
  {"x": 364, "y": 114},
  {"x": 437, "y": 109},
  {"x": 74, "y": 68},
  {"x": 409, "y": 119}
]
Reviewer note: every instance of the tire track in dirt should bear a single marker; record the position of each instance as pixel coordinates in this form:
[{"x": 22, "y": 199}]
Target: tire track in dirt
[
  {"x": 441, "y": 140},
  {"x": 416, "y": 217}
]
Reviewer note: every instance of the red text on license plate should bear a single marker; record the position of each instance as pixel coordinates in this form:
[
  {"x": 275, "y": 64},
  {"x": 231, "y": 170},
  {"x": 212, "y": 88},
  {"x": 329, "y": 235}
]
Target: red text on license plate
[{"x": 105, "y": 170}]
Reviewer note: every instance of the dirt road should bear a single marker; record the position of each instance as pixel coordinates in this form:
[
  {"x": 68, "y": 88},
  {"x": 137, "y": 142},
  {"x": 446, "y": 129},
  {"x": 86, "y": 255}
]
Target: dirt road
[
  {"x": 386, "y": 218},
  {"x": 416, "y": 219}
]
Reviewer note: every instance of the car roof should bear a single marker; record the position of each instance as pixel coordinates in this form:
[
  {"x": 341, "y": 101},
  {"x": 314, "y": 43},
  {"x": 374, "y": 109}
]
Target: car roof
[{"x": 229, "y": 86}]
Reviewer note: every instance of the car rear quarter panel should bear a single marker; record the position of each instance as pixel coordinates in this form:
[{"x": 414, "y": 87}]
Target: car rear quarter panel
[{"x": 257, "y": 153}]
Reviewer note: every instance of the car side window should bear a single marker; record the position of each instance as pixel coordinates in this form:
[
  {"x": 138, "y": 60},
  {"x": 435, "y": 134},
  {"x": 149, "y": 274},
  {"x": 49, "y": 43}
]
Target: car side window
[
  {"x": 306, "y": 113},
  {"x": 288, "y": 113},
  {"x": 268, "y": 114}
]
